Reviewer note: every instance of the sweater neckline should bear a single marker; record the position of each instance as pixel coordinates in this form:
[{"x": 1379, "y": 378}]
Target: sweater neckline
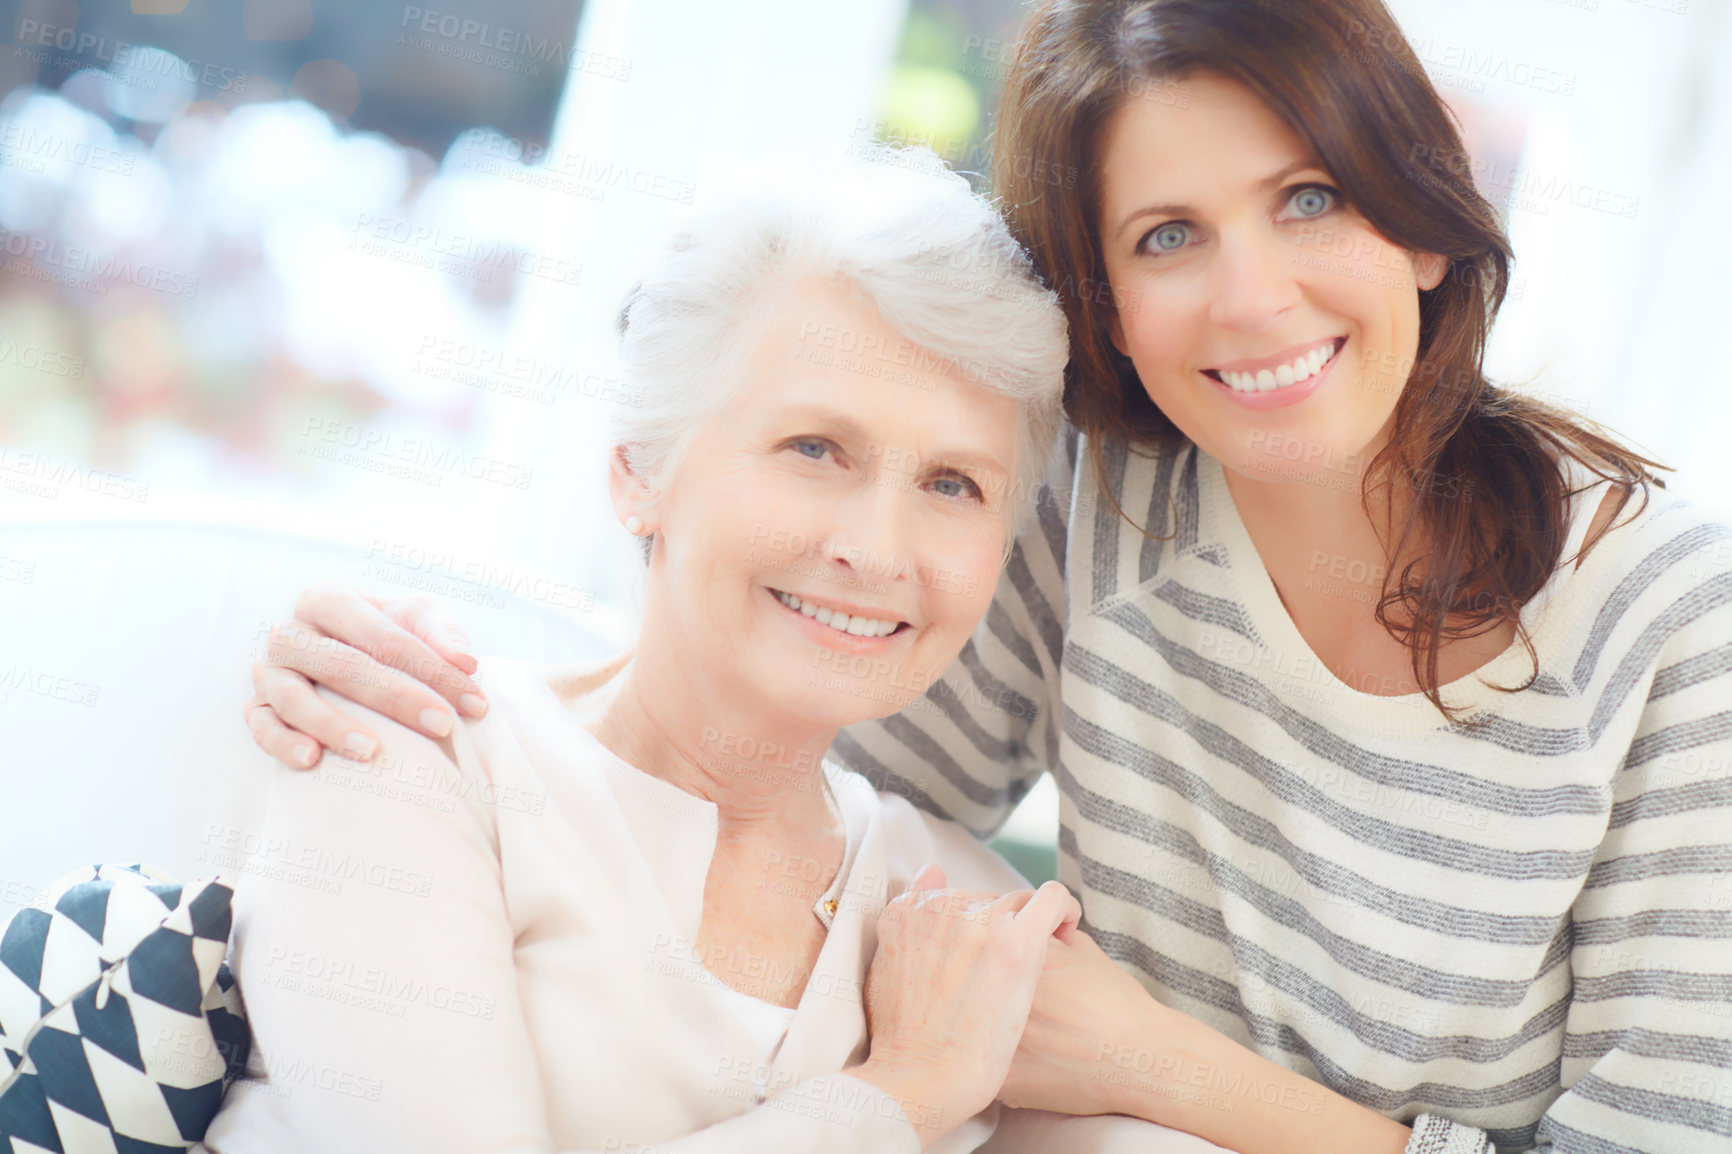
[
  {"x": 1303, "y": 673},
  {"x": 704, "y": 816}
]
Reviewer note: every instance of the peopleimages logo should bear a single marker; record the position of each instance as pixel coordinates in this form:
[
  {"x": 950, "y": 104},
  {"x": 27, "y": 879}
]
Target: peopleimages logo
[
  {"x": 462, "y": 32},
  {"x": 381, "y": 451},
  {"x": 428, "y": 247},
  {"x": 135, "y": 62},
  {"x": 50, "y": 361},
  {"x": 25, "y": 147},
  {"x": 43, "y": 475},
  {"x": 75, "y": 261}
]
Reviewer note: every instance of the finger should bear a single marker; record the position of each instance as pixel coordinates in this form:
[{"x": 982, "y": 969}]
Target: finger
[
  {"x": 358, "y": 621},
  {"x": 1009, "y": 903},
  {"x": 297, "y": 646},
  {"x": 277, "y": 739},
  {"x": 930, "y": 877},
  {"x": 1073, "y": 910},
  {"x": 1051, "y": 907},
  {"x": 427, "y": 618},
  {"x": 1080, "y": 939},
  {"x": 298, "y": 709},
  {"x": 969, "y": 905},
  {"x": 1014, "y": 902}
]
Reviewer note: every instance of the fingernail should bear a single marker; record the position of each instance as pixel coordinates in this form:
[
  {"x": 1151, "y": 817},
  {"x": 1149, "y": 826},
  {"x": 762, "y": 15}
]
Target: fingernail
[
  {"x": 359, "y": 746},
  {"x": 473, "y": 704},
  {"x": 436, "y": 721},
  {"x": 303, "y": 754}
]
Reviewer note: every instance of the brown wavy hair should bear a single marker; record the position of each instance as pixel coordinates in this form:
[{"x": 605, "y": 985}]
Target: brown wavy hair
[{"x": 1482, "y": 465}]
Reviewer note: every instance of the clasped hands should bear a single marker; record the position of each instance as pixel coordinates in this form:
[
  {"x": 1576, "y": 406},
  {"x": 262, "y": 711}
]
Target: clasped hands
[{"x": 973, "y": 996}]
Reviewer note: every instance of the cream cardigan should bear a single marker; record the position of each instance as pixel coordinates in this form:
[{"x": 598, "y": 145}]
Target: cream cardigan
[{"x": 483, "y": 944}]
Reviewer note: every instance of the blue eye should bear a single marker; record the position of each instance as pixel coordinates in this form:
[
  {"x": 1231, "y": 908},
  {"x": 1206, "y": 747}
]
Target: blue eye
[
  {"x": 1311, "y": 201},
  {"x": 963, "y": 486},
  {"x": 1169, "y": 237},
  {"x": 818, "y": 448}
]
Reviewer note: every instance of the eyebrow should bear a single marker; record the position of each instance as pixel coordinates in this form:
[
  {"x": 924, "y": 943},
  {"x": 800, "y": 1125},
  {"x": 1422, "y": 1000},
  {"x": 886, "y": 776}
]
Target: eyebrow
[
  {"x": 965, "y": 459},
  {"x": 833, "y": 420},
  {"x": 1268, "y": 182}
]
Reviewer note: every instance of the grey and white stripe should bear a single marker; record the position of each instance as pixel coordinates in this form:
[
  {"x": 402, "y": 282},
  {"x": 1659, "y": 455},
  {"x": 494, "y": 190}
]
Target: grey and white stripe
[{"x": 1520, "y": 923}]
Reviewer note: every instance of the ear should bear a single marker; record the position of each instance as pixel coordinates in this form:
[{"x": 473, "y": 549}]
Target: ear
[
  {"x": 630, "y": 495},
  {"x": 1428, "y": 270}
]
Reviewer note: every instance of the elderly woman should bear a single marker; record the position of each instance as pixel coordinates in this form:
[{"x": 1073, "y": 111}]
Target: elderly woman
[{"x": 633, "y": 907}]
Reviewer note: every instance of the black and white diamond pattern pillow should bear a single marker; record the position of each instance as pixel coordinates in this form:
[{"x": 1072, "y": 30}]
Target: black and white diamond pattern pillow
[{"x": 120, "y": 1023}]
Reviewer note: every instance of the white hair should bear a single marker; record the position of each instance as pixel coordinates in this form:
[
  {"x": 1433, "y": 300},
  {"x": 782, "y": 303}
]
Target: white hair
[{"x": 906, "y": 234}]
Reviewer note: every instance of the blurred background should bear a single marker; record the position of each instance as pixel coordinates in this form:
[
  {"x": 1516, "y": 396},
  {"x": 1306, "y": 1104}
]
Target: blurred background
[{"x": 347, "y": 271}]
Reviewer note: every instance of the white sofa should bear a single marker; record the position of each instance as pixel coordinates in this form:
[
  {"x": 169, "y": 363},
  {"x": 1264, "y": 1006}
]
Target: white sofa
[{"x": 125, "y": 657}]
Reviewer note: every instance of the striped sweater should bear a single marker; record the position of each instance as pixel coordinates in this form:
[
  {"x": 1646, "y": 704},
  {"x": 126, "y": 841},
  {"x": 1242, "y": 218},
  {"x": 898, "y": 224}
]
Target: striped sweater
[{"x": 1511, "y": 931}]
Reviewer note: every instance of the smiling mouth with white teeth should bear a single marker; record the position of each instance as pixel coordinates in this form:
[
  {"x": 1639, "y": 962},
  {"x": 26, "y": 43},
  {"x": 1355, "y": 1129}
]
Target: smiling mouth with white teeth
[
  {"x": 1294, "y": 372},
  {"x": 858, "y": 626}
]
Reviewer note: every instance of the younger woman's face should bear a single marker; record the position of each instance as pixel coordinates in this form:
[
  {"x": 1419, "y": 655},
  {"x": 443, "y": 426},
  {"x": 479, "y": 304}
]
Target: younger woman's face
[{"x": 1268, "y": 320}]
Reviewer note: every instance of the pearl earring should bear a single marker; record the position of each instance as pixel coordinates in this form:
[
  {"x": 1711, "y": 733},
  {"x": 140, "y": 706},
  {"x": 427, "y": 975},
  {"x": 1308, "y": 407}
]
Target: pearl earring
[{"x": 634, "y": 525}]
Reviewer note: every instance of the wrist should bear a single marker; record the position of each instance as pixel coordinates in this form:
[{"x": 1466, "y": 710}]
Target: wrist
[
  {"x": 1146, "y": 1061},
  {"x": 1202, "y": 1082},
  {"x": 920, "y": 1093}
]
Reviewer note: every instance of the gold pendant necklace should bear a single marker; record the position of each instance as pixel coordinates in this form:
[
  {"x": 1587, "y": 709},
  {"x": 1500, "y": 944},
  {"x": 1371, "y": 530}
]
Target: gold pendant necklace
[{"x": 829, "y": 905}]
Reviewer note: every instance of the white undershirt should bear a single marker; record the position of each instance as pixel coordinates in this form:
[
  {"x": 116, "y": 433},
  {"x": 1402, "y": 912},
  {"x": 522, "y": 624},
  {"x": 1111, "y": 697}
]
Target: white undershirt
[{"x": 767, "y": 1023}]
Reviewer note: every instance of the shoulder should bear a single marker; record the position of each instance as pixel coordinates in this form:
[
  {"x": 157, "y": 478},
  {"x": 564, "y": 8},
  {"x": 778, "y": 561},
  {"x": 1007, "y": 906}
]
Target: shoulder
[
  {"x": 530, "y": 703},
  {"x": 1654, "y": 539},
  {"x": 1089, "y": 474},
  {"x": 1080, "y": 465},
  {"x": 412, "y": 782},
  {"x": 1615, "y": 499},
  {"x": 464, "y": 778},
  {"x": 1656, "y": 586},
  {"x": 1121, "y": 464},
  {"x": 912, "y": 837},
  {"x": 1136, "y": 513},
  {"x": 574, "y": 684},
  {"x": 419, "y": 818}
]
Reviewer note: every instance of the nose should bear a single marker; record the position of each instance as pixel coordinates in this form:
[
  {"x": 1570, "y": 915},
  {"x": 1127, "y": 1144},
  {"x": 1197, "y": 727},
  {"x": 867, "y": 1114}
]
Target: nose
[
  {"x": 1254, "y": 282},
  {"x": 868, "y": 536}
]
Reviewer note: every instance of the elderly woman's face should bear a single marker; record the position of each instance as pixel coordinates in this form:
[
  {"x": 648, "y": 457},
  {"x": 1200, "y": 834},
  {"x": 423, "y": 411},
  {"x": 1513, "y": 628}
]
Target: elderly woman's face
[{"x": 834, "y": 535}]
